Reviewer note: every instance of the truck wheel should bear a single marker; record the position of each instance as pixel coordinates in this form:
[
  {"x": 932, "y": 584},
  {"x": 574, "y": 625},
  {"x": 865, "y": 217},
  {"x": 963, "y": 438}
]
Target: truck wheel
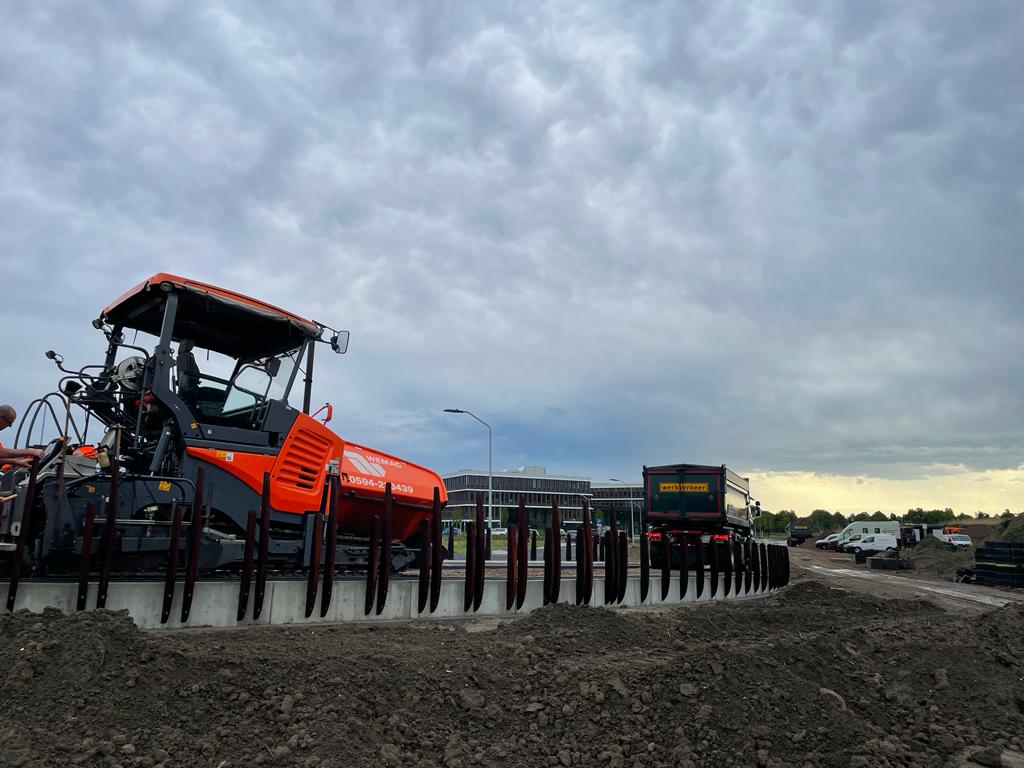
[{"x": 856, "y": 551}]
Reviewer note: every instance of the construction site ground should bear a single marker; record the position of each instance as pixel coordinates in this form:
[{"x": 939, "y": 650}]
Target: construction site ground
[{"x": 838, "y": 669}]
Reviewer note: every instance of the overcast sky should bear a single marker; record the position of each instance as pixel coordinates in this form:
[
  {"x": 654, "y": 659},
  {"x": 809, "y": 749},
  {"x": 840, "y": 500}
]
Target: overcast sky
[{"x": 782, "y": 236}]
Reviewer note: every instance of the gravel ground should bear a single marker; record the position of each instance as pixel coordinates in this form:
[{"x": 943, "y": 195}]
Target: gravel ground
[{"x": 811, "y": 677}]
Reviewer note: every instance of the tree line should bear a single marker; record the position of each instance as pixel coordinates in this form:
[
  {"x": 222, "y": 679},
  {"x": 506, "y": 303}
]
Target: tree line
[{"x": 822, "y": 520}]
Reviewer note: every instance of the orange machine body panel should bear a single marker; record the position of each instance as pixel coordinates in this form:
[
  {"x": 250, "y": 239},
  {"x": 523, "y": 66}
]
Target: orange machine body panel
[
  {"x": 247, "y": 467},
  {"x": 365, "y": 472},
  {"x": 298, "y": 472}
]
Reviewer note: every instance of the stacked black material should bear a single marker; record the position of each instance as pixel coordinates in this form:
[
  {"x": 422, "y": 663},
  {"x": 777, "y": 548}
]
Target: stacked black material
[{"x": 1000, "y": 564}]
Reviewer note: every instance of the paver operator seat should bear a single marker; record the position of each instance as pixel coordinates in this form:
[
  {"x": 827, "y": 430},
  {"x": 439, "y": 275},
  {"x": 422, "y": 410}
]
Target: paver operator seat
[{"x": 205, "y": 401}]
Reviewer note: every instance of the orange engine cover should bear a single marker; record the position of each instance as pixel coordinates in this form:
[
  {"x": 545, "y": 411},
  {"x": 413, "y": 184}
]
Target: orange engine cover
[
  {"x": 364, "y": 474},
  {"x": 298, "y": 472}
]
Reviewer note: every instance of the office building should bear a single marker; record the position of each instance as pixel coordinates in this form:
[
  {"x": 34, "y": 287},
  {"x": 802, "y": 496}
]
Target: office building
[
  {"x": 622, "y": 500},
  {"x": 533, "y": 484}
]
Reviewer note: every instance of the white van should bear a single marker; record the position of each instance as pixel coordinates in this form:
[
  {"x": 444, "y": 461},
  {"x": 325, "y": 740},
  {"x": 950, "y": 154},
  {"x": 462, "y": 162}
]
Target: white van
[
  {"x": 869, "y": 527},
  {"x": 875, "y": 542},
  {"x": 955, "y": 540}
]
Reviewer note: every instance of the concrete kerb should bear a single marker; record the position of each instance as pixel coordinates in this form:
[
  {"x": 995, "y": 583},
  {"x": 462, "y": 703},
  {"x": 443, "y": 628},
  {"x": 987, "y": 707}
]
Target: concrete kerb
[{"x": 215, "y": 602}]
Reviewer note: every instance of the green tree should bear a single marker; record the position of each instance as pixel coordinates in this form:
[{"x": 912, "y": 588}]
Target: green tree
[
  {"x": 786, "y": 518},
  {"x": 821, "y": 520},
  {"x": 914, "y": 516},
  {"x": 878, "y": 516}
]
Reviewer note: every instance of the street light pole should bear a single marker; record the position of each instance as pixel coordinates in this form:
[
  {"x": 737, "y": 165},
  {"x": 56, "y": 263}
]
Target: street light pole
[
  {"x": 632, "y": 530},
  {"x": 490, "y": 463}
]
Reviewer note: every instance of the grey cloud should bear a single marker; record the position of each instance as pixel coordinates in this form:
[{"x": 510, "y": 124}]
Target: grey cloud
[{"x": 778, "y": 238}]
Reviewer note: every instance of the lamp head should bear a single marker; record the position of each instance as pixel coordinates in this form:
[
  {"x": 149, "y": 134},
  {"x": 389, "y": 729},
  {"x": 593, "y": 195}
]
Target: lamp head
[{"x": 453, "y": 410}]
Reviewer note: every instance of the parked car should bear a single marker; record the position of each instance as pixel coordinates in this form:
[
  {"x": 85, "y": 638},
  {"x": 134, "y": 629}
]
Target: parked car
[
  {"x": 845, "y": 544},
  {"x": 829, "y": 542},
  {"x": 876, "y": 542},
  {"x": 959, "y": 541}
]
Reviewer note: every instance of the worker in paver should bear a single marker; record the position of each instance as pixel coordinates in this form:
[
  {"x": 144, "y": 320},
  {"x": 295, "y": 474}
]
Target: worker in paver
[{"x": 14, "y": 457}]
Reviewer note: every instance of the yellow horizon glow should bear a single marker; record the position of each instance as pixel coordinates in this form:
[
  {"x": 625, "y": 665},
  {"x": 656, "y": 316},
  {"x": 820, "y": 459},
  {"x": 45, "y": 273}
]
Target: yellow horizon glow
[{"x": 961, "y": 489}]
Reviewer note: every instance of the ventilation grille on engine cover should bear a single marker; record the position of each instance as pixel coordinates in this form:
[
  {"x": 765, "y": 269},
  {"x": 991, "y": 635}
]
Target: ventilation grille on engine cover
[{"x": 303, "y": 459}]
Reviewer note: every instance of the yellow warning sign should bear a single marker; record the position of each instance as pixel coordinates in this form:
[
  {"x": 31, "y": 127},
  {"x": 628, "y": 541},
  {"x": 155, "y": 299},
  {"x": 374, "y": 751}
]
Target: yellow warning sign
[
  {"x": 163, "y": 485},
  {"x": 683, "y": 487}
]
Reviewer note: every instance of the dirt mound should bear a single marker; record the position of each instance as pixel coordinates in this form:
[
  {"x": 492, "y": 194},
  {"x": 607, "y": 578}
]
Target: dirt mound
[
  {"x": 935, "y": 557},
  {"x": 1011, "y": 529},
  {"x": 585, "y": 628},
  {"x": 810, "y": 676}
]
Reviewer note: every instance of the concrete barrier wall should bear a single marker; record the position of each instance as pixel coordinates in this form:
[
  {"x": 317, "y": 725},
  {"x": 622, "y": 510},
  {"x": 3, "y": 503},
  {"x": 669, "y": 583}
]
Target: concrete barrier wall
[{"x": 215, "y": 602}]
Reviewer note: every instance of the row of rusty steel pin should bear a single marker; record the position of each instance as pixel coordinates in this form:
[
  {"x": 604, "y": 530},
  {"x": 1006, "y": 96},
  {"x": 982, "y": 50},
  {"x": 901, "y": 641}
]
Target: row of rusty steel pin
[
  {"x": 742, "y": 566},
  {"x": 747, "y": 565}
]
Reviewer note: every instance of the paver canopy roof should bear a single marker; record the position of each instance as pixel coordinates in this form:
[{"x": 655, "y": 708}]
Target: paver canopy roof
[{"x": 214, "y": 318}]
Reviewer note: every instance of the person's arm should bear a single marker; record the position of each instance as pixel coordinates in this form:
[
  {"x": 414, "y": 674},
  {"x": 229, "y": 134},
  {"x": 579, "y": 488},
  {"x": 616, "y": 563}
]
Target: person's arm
[{"x": 11, "y": 455}]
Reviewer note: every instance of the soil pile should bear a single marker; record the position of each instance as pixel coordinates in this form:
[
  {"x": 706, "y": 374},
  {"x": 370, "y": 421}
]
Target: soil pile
[
  {"x": 812, "y": 676},
  {"x": 1011, "y": 529},
  {"x": 935, "y": 557}
]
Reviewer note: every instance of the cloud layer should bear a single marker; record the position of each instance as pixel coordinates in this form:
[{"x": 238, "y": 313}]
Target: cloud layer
[{"x": 624, "y": 234}]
